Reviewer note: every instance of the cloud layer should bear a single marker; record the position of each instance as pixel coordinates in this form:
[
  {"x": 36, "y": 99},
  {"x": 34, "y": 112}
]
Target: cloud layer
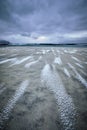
[{"x": 55, "y": 20}]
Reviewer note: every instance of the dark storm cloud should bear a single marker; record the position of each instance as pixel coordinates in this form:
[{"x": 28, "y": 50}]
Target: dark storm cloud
[{"x": 31, "y": 18}]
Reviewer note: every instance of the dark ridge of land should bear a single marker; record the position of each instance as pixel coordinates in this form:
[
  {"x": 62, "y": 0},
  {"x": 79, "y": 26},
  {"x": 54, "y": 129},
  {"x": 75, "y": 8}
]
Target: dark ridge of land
[
  {"x": 45, "y": 45},
  {"x": 4, "y": 43}
]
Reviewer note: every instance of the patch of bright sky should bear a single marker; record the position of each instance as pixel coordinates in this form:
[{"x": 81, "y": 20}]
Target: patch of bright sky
[{"x": 55, "y": 38}]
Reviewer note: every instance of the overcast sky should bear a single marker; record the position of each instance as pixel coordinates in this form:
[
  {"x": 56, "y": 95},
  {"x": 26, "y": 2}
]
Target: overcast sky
[{"x": 43, "y": 21}]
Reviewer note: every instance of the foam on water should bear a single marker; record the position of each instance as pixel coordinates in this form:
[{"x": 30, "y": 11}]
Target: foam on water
[
  {"x": 66, "y": 72},
  {"x": 47, "y": 51},
  {"x": 58, "y": 51},
  {"x": 73, "y": 51},
  {"x": 11, "y": 103},
  {"x": 64, "y": 101},
  {"x": 58, "y": 60},
  {"x": 17, "y": 62},
  {"x": 78, "y": 76},
  {"x": 66, "y": 51},
  {"x": 24, "y": 59},
  {"x": 75, "y": 59},
  {"x": 32, "y": 63},
  {"x": 53, "y": 52},
  {"x": 43, "y": 52},
  {"x": 7, "y": 60},
  {"x": 38, "y": 52},
  {"x": 79, "y": 65}
]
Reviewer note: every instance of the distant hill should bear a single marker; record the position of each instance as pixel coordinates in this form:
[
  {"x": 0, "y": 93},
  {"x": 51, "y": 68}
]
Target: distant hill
[{"x": 4, "y": 43}]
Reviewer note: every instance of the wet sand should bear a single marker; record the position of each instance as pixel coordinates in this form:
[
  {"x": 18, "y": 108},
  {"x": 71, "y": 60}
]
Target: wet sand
[{"x": 43, "y": 88}]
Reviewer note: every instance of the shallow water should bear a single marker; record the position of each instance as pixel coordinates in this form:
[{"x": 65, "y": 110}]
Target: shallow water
[{"x": 43, "y": 88}]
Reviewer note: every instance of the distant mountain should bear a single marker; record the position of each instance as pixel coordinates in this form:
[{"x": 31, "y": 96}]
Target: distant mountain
[{"x": 4, "y": 43}]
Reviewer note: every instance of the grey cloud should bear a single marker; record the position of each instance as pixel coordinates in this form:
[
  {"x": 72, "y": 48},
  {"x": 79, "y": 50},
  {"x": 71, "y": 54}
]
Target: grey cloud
[
  {"x": 4, "y": 10},
  {"x": 25, "y": 34},
  {"x": 42, "y": 16}
]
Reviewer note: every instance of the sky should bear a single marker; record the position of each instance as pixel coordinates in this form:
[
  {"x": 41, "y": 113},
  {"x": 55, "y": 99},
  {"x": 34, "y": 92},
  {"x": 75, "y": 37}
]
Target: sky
[{"x": 43, "y": 21}]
